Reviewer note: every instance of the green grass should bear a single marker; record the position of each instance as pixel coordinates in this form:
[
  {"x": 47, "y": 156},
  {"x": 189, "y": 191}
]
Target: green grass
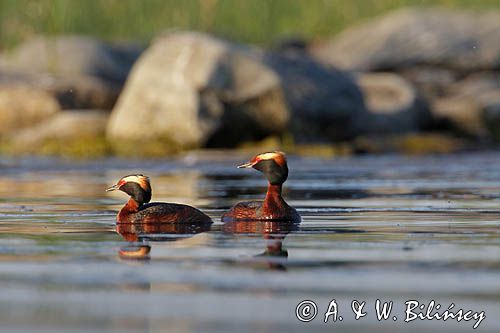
[{"x": 250, "y": 21}]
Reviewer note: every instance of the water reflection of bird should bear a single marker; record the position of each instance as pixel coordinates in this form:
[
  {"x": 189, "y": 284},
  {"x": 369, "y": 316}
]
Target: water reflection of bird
[
  {"x": 139, "y": 210},
  {"x": 274, "y": 208},
  {"x": 139, "y": 235},
  {"x": 274, "y": 233}
]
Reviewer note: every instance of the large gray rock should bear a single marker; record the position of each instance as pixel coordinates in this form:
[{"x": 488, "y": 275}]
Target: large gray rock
[
  {"x": 459, "y": 114},
  {"x": 75, "y": 132},
  {"x": 471, "y": 106},
  {"x": 491, "y": 118},
  {"x": 457, "y": 39},
  {"x": 431, "y": 82},
  {"x": 326, "y": 104},
  {"x": 393, "y": 104},
  {"x": 74, "y": 92},
  {"x": 22, "y": 107},
  {"x": 72, "y": 56},
  {"x": 66, "y": 125},
  {"x": 191, "y": 90},
  {"x": 81, "y": 72}
]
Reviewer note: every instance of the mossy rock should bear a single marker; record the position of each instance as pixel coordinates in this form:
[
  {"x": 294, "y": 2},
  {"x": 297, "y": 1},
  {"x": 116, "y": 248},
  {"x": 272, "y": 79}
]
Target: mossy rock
[
  {"x": 155, "y": 148},
  {"x": 411, "y": 144},
  {"x": 91, "y": 147},
  {"x": 79, "y": 148}
]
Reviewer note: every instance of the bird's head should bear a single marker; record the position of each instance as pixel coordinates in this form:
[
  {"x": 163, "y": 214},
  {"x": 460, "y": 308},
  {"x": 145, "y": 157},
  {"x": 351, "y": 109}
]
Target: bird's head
[
  {"x": 137, "y": 186},
  {"x": 272, "y": 164}
]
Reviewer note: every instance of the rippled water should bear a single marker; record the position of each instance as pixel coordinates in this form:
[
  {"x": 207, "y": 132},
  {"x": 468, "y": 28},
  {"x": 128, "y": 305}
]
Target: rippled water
[{"x": 388, "y": 228}]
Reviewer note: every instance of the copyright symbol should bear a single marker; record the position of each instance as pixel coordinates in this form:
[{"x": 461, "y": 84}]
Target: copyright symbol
[{"x": 306, "y": 311}]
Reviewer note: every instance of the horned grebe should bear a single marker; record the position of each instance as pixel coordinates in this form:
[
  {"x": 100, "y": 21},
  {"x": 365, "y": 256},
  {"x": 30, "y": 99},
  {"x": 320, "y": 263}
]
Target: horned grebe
[
  {"x": 139, "y": 210},
  {"x": 274, "y": 208}
]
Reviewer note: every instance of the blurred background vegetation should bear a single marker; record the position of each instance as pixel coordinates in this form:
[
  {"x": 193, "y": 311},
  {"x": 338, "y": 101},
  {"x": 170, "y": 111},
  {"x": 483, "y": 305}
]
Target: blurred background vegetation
[{"x": 249, "y": 21}]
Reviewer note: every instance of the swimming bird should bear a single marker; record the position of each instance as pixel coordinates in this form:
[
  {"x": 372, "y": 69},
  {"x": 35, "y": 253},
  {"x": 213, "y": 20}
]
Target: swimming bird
[
  {"x": 139, "y": 210},
  {"x": 274, "y": 167}
]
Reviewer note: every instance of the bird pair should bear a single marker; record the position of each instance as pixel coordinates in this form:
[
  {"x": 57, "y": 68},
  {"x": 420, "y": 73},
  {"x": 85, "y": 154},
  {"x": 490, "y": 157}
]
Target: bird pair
[{"x": 274, "y": 208}]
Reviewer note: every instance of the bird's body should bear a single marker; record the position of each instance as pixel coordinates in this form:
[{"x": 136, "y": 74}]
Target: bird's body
[
  {"x": 160, "y": 212},
  {"x": 139, "y": 210},
  {"x": 273, "y": 207}
]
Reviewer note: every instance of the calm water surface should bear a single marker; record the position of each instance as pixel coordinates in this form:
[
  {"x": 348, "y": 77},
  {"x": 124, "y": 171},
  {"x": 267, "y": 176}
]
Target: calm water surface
[{"x": 388, "y": 227}]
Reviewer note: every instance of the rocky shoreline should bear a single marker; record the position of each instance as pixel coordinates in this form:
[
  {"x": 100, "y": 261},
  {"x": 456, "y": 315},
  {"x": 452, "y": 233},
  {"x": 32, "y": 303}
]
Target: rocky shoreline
[{"x": 415, "y": 74}]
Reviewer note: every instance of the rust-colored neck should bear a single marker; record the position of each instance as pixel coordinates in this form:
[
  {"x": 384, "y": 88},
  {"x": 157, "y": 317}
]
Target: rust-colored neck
[
  {"x": 273, "y": 192},
  {"x": 130, "y": 207},
  {"x": 273, "y": 199}
]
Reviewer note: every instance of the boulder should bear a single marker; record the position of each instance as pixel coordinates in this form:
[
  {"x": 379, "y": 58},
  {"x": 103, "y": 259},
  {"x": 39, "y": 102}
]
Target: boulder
[
  {"x": 67, "y": 125},
  {"x": 458, "y": 39},
  {"x": 23, "y": 106},
  {"x": 430, "y": 82},
  {"x": 393, "y": 104},
  {"x": 78, "y": 92},
  {"x": 192, "y": 90},
  {"x": 325, "y": 104},
  {"x": 476, "y": 84},
  {"x": 491, "y": 117},
  {"x": 72, "y": 132},
  {"x": 81, "y": 72},
  {"x": 459, "y": 114},
  {"x": 73, "y": 56},
  {"x": 83, "y": 92},
  {"x": 471, "y": 106}
]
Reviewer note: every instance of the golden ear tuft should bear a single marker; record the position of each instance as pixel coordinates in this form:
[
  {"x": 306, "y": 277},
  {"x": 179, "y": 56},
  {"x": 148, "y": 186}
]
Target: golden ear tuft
[
  {"x": 278, "y": 156},
  {"x": 141, "y": 180}
]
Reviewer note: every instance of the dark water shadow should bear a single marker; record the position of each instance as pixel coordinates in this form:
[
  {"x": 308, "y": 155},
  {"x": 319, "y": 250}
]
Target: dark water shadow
[
  {"x": 274, "y": 233},
  {"x": 139, "y": 236}
]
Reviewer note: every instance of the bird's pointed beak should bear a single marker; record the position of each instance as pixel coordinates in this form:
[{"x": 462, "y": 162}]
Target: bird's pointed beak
[
  {"x": 246, "y": 165},
  {"x": 112, "y": 188}
]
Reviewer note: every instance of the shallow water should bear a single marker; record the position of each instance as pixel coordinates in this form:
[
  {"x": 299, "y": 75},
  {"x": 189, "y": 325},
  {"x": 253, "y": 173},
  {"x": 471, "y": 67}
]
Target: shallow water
[{"x": 388, "y": 227}]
